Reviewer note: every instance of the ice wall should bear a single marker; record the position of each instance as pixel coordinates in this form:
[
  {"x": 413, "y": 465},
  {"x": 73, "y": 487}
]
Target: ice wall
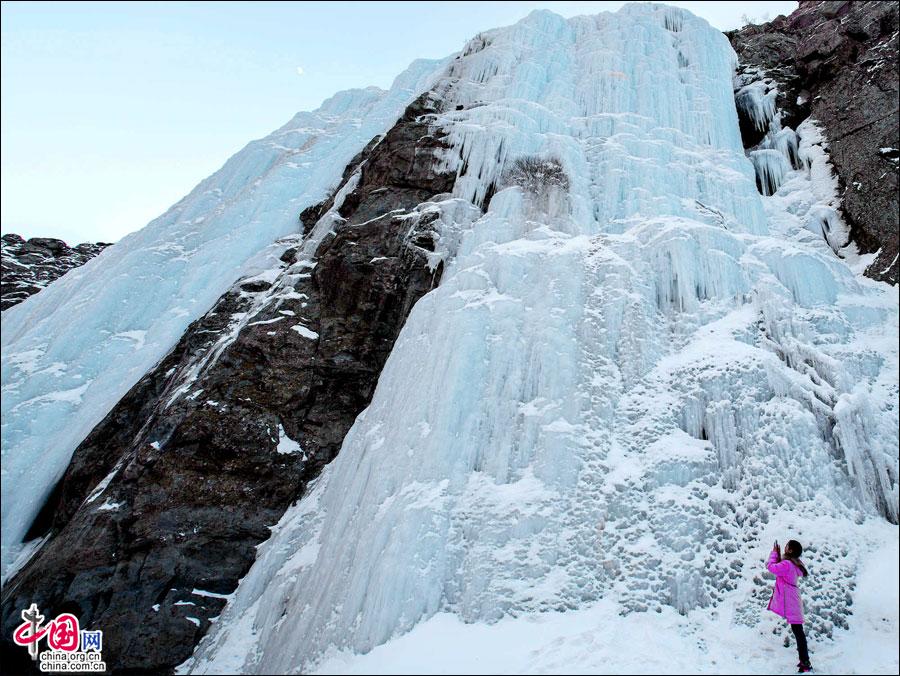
[
  {"x": 636, "y": 114},
  {"x": 625, "y": 381},
  {"x": 72, "y": 351}
]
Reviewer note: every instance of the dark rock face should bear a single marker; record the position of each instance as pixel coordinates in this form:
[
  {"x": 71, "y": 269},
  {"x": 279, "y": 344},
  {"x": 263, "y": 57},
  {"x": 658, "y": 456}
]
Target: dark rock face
[
  {"x": 837, "y": 62},
  {"x": 161, "y": 509},
  {"x": 28, "y": 267}
]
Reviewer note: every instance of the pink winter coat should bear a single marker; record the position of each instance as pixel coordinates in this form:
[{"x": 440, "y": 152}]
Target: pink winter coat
[{"x": 785, "y": 599}]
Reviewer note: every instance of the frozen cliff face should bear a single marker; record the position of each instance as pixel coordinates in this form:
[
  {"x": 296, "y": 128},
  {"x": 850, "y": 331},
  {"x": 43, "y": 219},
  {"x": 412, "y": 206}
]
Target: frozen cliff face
[
  {"x": 642, "y": 363},
  {"x": 72, "y": 352},
  {"x": 635, "y": 374}
]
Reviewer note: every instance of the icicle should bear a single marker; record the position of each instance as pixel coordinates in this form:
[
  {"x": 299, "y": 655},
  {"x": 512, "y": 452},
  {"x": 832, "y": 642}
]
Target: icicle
[
  {"x": 771, "y": 167},
  {"x": 756, "y": 101},
  {"x": 673, "y": 19},
  {"x": 871, "y": 462},
  {"x": 787, "y": 142}
]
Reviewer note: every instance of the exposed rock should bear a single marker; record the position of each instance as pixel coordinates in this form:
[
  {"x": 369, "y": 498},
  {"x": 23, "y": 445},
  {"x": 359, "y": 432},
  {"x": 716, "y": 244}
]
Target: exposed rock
[
  {"x": 161, "y": 509},
  {"x": 837, "y": 62},
  {"x": 28, "y": 267}
]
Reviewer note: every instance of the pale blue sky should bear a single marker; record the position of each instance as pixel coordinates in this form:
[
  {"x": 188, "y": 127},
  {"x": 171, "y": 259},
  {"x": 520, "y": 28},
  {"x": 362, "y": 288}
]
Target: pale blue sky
[{"x": 111, "y": 112}]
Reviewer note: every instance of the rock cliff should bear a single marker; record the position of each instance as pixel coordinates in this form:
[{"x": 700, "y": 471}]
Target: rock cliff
[
  {"x": 837, "y": 62},
  {"x": 29, "y": 266}
]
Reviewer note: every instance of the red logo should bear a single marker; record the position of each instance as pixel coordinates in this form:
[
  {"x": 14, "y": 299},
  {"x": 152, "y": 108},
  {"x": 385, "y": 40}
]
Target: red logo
[
  {"x": 71, "y": 648},
  {"x": 64, "y": 633}
]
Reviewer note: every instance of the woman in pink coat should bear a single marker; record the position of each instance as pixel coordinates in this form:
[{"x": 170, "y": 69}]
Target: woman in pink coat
[{"x": 785, "y": 599}]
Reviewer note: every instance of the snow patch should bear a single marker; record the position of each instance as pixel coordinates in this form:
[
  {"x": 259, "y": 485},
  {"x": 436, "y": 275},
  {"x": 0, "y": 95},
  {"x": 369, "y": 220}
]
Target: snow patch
[{"x": 305, "y": 332}]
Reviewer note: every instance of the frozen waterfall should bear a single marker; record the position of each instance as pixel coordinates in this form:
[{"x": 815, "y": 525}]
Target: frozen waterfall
[{"x": 625, "y": 383}]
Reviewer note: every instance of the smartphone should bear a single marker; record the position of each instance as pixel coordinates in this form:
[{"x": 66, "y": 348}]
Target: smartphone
[{"x": 776, "y": 544}]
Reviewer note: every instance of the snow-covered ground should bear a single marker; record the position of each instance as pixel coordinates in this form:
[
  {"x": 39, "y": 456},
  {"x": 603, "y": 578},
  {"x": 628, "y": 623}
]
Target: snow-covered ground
[{"x": 598, "y": 640}]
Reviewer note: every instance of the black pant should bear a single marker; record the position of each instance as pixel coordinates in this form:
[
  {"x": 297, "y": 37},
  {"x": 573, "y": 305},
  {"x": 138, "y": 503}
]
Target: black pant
[{"x": 801, "y": 642}]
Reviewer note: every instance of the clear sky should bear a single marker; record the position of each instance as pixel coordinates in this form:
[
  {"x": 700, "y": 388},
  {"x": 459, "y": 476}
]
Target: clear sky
[{"x": 111, "y": 112}]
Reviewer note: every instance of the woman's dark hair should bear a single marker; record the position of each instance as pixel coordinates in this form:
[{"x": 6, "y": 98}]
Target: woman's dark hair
[{"x": 796, "y": 550}]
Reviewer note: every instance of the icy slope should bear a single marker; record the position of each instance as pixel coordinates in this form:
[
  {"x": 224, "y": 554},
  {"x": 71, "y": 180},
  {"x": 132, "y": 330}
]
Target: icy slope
[
  {"x": 70, "y": 353},
  {"x": 628, "y": 377}
]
